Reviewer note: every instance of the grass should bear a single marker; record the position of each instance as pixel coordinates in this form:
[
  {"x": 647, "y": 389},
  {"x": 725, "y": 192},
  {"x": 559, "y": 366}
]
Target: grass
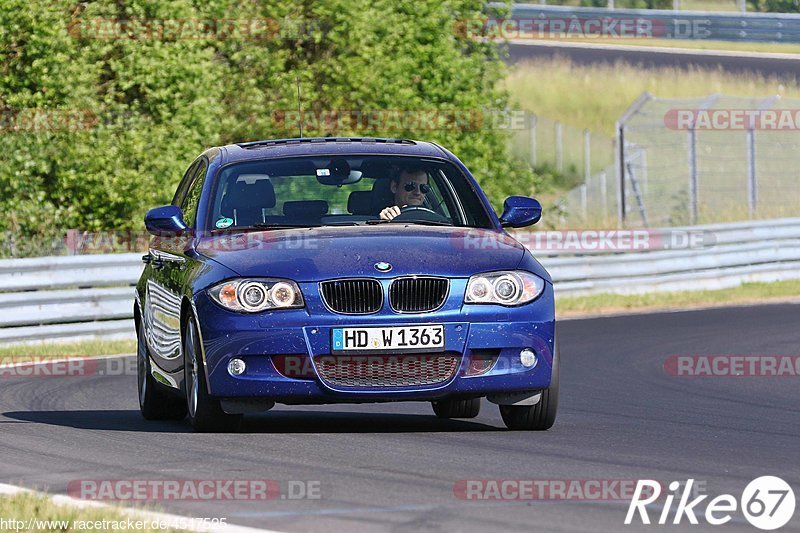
[
  {"x": 709, "y": 5},
  {"x": 747, "y": 293},
  {"x": 24, "y": 507},
  {"x": 699, "y": 44},
  {"x": 22, "y": 352},
  {"x": 595, "y": 96}
]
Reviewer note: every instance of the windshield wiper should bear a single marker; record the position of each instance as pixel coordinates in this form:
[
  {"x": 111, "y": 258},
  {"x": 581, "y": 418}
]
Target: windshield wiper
[
  {"x": 420, "y": 222},
  {"x": 427, "y": 222},
  {"x": 261, "y": 225}
]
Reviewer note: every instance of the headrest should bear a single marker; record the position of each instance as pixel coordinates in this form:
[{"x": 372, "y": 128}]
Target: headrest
[
  {"x": 360, "y": 203},
  {"x": 382, "y": 196},
  {"x": 242, "y": 195},
  {"x": 305, "y": 208}
]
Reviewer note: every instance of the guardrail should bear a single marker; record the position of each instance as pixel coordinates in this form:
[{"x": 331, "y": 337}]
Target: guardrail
[
  {"x": 59, "y": 298},
  {"x": 62, "y": 298},
  {"x": 668, "y": 24}
]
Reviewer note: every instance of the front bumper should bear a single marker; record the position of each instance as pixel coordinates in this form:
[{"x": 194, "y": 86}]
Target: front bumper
[{"x": 470, "y": 330}]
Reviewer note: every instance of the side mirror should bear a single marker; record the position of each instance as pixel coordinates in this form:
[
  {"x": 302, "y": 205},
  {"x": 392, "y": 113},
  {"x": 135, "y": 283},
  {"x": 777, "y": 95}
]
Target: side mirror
[
  {"x": 165, "y": 219},
  {"x": 520, "y": 211}
]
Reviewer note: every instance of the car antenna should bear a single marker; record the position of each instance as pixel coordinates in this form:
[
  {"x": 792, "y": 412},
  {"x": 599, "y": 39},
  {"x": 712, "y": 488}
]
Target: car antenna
[{"x": 299, "y": 111}]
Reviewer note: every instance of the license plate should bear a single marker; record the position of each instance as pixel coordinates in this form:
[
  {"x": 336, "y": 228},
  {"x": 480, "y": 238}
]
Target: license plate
[{"x": 389, "y": 339}]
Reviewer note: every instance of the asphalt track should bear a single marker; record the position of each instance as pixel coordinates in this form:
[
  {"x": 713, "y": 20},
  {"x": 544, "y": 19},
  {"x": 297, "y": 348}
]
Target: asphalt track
[
  {"x": 784, "y": 66},
  {"x": 392, "y": 466}
]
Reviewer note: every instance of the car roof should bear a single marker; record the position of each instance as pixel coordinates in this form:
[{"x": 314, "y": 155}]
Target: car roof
[{"x": 328, "y": 146}]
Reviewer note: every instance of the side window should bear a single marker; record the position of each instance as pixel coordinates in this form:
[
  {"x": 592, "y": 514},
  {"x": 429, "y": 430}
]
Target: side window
[
  {"x": 192, "y": 199},
  {"x": 437, "y": 197},
  {"x": 180, "y": 193}
]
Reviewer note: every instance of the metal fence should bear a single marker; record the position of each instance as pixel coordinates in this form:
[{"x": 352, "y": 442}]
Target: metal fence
[
  {"x": 707, "y": 5},
  {"x": 569, "y": 150},
  {"x": 579, "y": 156},
  {"x": 63, "y": 298},
  {"x": 672, "y": 24},
  {"x": 704, "y": 160}
]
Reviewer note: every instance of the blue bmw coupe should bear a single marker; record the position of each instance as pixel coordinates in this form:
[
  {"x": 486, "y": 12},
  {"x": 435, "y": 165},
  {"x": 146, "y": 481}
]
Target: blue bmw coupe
[{"x": 341, "y": 270}]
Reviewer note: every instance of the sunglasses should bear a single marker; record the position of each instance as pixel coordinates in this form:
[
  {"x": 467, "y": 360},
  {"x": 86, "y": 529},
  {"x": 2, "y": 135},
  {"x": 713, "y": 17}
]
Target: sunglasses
[{"x": 423, "y": 187}]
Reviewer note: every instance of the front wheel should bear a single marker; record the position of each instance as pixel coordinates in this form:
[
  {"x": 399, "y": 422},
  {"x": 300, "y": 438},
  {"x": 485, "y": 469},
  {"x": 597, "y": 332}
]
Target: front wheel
[
  {"x": 205, "y": 412},
  {"x": 154, "y": 402},
  {"x": 542, "y": 415}
]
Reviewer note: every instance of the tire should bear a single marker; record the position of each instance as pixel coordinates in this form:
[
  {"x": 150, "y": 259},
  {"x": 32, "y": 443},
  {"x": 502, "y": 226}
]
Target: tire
[
  {"x": 457, "y": 408},
  {"x": 538, "y": 417},
  {"x": 155, "y": 403},
  {"x": 205, "y": 413}
]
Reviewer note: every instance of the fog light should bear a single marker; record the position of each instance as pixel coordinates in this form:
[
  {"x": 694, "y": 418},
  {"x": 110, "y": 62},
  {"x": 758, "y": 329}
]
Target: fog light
[
  {"x": 236, "y": 367},
  {"x": 527, "y": 357}
]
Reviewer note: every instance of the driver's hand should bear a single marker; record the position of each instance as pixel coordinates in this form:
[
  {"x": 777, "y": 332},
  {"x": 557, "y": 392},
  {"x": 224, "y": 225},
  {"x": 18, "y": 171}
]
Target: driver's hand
[{"x": 390, "y": 212}]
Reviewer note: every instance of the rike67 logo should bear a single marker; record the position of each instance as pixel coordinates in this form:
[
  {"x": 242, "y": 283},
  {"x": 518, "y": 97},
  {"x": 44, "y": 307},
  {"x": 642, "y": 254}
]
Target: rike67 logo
[{"x": 767, "y": 503}]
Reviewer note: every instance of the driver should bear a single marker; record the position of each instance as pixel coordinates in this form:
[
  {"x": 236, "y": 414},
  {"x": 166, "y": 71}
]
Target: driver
[{"x": 409, "y": 189}]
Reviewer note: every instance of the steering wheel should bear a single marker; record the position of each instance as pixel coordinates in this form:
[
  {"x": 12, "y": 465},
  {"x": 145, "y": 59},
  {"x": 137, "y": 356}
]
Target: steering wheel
[
  {"x": 412, "y": 208},
  {"x": 417, "y": 212}
]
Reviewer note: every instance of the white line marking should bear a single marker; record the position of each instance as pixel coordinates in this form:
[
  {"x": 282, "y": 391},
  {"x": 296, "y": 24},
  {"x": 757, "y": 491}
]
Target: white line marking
[{"x": 58, "y": 499}]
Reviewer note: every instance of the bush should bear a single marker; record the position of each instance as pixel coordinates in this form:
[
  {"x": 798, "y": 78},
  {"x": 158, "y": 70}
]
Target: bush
[
  {"x": 122, "y": 118},
  {"x": 775, "y": 6}
]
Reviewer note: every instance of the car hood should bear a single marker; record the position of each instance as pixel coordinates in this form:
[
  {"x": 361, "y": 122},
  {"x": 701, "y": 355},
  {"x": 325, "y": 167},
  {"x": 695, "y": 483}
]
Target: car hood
[{"x": 314, "y": 254}]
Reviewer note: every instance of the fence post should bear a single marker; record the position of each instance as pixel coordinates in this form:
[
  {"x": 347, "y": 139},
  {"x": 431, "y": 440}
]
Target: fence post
[
  {"x": 694, "y": 191},
  {"x": 619, "y": 152},
  {"x": 584, "y": 200},
  {"x": 559, "y": 146},
  {"x": 692, "y": 156},
  {"x": 619, "y": 160},
  {"x": 603, "y": 193},
  {"x": 676, "y": 5},
  {"x": 72, "y": 241},
  {"x": 534, "y": 121},
  {"x": 610, "y": 4},
  {"x": 587, "y": 171},
  {"x": 752, "y": 183},
  {"x": 587, "y": 155},
  {"x": 752, "y": 176}
]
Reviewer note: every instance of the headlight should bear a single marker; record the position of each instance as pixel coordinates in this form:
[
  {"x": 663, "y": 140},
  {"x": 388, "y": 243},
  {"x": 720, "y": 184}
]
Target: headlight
[
  {"x": 253, "y": 296},
  {"x": 504, "y": 288}
]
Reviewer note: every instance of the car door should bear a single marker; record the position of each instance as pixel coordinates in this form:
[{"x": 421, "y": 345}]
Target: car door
[{"x": 168, "y": 264}]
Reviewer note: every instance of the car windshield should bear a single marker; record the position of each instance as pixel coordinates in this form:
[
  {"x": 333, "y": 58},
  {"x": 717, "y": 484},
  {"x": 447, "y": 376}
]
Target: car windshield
[{"x": 343, "y": 190}]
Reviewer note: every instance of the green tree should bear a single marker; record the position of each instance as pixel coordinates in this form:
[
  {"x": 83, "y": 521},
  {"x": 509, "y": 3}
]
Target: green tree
[{"x": 144, "y": 106}]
